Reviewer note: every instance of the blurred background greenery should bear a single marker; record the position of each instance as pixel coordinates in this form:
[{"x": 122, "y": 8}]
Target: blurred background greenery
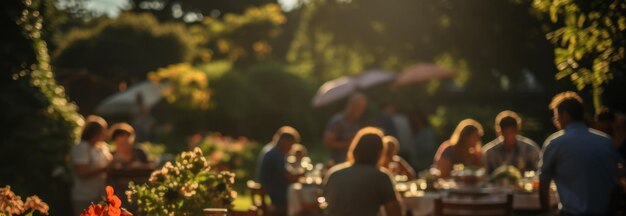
[{"x": 245, "y": 68}]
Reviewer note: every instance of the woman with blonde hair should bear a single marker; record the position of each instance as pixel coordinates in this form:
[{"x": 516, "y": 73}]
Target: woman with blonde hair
[
  {"x": 464, "y": 148},
  {"x": 393, "y": 162},
  {"x": 359, "y": 186}
]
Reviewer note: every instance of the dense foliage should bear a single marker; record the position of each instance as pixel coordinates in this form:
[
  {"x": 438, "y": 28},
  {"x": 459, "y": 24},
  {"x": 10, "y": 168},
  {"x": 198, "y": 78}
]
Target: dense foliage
[
  {"x": 184, "y": 188},
  {"x": 40, "y": 125},
  {"x": 124, "y": 49},
  {"x": 589, "y": 39}
]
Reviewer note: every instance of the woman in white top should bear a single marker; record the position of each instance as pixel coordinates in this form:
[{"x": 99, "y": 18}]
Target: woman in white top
[{"x": 90, "y": 161}]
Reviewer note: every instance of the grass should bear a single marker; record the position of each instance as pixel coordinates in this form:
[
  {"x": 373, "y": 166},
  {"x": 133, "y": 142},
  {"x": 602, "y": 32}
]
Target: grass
[{"x": 242, "y": 203}]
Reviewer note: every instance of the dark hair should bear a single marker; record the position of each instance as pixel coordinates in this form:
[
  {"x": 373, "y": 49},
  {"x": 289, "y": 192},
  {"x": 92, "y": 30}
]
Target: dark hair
[
  {"x": 464, "y": 129},
  {"x": 94, "y": 125},
  {"x": 286, "y": 130},
  {"x": 508, "y": 119},
  {"x": 569, "y": 102},
  {"x": 286, "y": 136},
  {"x": 508, "y": 122},
  {"x": 467, "y": 130},
  {"x": 367, "y": 147},
  {"x": 121, "y": 129}
]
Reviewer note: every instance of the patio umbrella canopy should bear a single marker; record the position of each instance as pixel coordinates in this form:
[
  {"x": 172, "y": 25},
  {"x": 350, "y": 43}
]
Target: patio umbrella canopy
[
  {"x": 344, "y": 86},
  {"x": 422, "y": 72},
  {"x": 126, "y": 102}
]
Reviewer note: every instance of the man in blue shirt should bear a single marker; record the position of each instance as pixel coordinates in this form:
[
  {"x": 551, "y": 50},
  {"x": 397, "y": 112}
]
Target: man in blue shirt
[
  {"x": 275, "y": 178},
  {"x": 580, "y": 160}
]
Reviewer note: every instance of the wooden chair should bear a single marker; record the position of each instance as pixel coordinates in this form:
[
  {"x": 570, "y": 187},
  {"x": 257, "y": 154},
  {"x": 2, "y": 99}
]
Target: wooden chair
[
  {"x": 259, "y": 198},
  {"x": 445, "y": 207}
]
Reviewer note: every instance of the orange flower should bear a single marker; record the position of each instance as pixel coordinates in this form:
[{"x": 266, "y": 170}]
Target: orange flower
[
  {"x": 114, "y": 203},
  {"x": 112, "y": 199},
  {"x": 35, "y": 203},
  {"x": 93, "y": 210}
]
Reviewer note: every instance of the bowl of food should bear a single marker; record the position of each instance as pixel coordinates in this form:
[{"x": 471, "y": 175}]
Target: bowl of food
[{"x": 467, "y": 176}]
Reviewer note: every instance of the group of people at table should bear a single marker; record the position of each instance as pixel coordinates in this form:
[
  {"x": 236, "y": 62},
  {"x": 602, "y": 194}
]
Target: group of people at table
[
  {"x": 583, "y": 163},
  {"x": 92, "y": 159}
]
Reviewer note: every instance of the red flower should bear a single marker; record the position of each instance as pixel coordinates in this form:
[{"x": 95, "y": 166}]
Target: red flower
[
  {"x": 93, "y": 210},
  {"x": 112, "y": 199},
  {"x": 111, "y": 209},
  {"x": 114, "y": 203}
]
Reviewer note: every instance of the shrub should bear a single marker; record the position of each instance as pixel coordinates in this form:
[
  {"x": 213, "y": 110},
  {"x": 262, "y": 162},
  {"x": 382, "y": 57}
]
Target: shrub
[{"x": 183, "y": 188}]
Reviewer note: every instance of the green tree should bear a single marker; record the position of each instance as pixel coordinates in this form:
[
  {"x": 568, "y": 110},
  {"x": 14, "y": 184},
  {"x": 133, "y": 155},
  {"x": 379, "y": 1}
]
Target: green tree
[
  {"x": 495, "y": 38},
  {"x": 126, "y": 48},
  {"x": 589, "y": 39},
  {"x": 93, "y": 61},
  {"x": 40, "y": 124},
  {"x": 242, "y": 38}
]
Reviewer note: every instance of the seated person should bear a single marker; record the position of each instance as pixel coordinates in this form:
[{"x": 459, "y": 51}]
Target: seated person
[
  {"x": 510, "y": 148},
  {"x": 359, "y": 186},
  {"x": 126, "y": 154},
  {"x": 297, "y": 159},
  {"x": 393, "y": 162},
  {"x": 464, "y": 148},
  {"x": 275, "y": 178}
]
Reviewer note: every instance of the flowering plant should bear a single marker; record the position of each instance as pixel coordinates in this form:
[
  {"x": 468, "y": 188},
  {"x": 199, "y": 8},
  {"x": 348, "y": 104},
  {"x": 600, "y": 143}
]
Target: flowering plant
[
  {"x": 184, "y": 188},
  {"x": 110, "y": 206},
  {"x": 10, "y": 204}
]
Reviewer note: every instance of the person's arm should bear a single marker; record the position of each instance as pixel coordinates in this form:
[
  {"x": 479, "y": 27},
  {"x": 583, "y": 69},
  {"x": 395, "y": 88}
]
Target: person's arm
[
  {"x": 546, "y": 174},
  {"x": 84, "y": 171},
  {"x": 407, "y": 169},
  {"x": 444, "y": 165},
  {"x": 331, "y": 142},
  {"x": 544, "y": 195},
  {"x": 393, "y": 208},
  {"x": 534, "y": 158}
]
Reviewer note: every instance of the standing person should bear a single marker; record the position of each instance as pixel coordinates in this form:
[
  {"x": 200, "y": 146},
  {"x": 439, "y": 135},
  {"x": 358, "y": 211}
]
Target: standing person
[
  {"x": 397, "y": 125},
  {"x": 463, "y": 148},
  {"x": 342, "y": 127},
  {"x": 275, "y": 178},
  {"x": 511, "y": 148},
  {"x": 580, "y": 160},
  {"x": 359, "y": 187},
  {"x": 90, "y": 161},
  {"x": 143, "y": 121},
  {"x": 423, "y": 147}
]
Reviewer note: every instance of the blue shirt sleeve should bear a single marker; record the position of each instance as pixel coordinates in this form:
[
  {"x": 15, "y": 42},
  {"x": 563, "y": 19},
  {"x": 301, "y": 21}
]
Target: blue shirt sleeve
[{"x": 547, "y": 162}]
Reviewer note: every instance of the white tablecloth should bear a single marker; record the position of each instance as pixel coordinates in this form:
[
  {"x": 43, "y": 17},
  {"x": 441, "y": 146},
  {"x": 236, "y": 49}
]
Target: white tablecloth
[
  {"x": 424, "y": 203},
  {"x": 299, "y": 194}
]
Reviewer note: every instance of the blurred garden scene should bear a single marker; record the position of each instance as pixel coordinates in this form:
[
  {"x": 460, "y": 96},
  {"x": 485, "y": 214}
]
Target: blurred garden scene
[{"x": 313, "y": 107}]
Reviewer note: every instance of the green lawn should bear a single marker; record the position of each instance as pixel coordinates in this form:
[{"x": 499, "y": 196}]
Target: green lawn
[{"x": 242, "y": 203}]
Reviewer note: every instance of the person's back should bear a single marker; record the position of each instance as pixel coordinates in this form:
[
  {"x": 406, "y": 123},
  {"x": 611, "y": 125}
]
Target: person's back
[
  {"x": 583, "y": 164},
  {"x": 358, "y": 190},
  {"x": 273, "y": 177}
]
